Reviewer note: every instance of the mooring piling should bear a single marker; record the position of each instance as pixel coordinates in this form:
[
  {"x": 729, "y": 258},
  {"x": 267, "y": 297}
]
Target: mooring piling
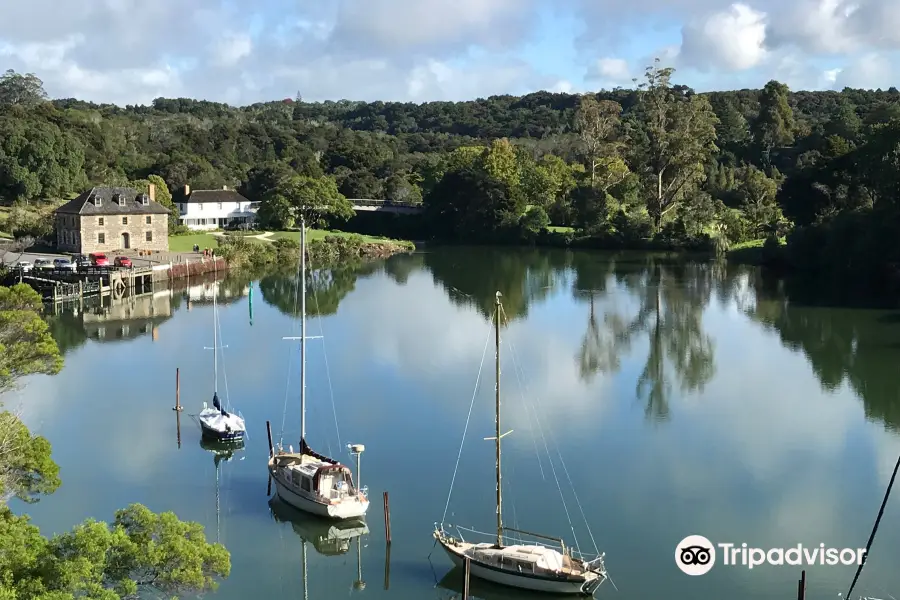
[
  {"x": 271, "y": 445},
  {"x": 387, "y": 520},
  {"x": 178, "y": 406},
  {"x": 387, "y": 566},
  {"x": 801, "y": 586}
]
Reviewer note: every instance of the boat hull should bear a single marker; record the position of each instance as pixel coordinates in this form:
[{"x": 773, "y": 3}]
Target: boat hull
[
  {"x": 534, "y": 583},
  {"x": 221, "y": 436},
  {"x": 340, "y": 510}
]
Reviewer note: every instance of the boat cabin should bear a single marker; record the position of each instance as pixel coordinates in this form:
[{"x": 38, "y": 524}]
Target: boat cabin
[{"x": 309, "y": 475}]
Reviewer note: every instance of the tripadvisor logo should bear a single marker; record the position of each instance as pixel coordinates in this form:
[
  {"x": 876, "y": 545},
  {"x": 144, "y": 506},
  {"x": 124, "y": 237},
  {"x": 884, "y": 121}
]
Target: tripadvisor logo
[{"x": 696, "y": 555}]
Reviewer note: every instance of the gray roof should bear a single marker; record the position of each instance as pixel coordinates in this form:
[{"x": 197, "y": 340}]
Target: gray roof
[
  {"x": 198, "y": 196},
  {"x": 84, "y": 204}
]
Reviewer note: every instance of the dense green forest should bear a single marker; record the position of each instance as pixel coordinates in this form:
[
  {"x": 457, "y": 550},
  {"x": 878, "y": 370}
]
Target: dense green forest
[{"x": 658, "y": 165}]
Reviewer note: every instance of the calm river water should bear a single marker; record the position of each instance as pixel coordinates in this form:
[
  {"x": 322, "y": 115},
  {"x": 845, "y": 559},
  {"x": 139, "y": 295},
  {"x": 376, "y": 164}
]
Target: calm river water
[{"x": 685, "y": 398}]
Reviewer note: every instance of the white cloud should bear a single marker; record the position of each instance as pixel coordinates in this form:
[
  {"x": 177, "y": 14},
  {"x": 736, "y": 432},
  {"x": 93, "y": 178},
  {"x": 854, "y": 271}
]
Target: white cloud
[
  {"x": 125, "y": 51},
  {"x": 731, "y": 40}
]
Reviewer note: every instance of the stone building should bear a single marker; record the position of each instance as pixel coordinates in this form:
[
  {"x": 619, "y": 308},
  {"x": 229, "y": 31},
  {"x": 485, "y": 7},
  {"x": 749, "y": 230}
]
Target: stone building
[{"x": 106, "y": 219}]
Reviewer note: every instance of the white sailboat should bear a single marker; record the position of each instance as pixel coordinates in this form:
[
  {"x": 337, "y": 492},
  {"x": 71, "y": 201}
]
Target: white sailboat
[
  {"x": 535, "y": 567},
  {"x": 216, "y": 423},
  {"x": 305, "y": 479}
]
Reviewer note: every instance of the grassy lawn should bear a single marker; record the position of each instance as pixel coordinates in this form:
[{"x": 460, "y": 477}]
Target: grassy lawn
[{"x": 185, "y": 243}]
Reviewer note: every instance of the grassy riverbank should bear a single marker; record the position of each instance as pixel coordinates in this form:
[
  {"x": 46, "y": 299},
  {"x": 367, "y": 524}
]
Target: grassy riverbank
[
  {"x": 755, "y": 252},
  {"x": 324, "y": 248}
]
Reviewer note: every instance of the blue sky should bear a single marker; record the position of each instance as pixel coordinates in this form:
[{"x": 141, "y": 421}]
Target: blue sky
[{"x": 423, "y": 50}]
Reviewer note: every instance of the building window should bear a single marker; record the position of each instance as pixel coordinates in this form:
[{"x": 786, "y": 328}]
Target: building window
[
  {"x": 101, "y": 238},
  {"x": 149, "y": 219},
  {"x": 100, "y": 221},
  {"x": 124, "y": 220},
  {"x": 148, "y": 236}
]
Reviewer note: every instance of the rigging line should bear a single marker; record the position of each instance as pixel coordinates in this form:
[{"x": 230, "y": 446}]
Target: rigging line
[
  {"x": 522, "y": 387},
  {"x": 327, "y": 370},
  {"x": 532, "y": 418},
  {"x": 510, "y": 472},
  {"x": 887, "y": 494},
  {"x": 468, "y": 418}
]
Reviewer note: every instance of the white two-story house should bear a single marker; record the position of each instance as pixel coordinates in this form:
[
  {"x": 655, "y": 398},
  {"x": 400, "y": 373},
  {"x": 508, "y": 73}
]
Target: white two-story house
[{"x": 214, "y": 209}]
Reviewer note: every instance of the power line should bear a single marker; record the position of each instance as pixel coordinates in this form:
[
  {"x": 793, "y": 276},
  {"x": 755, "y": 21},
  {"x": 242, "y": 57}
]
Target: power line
[{"x": 862, "y": 563}]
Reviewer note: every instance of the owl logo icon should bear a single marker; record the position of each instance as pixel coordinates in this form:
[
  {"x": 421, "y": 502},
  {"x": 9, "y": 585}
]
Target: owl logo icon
[{"x": 695, "y": 555}]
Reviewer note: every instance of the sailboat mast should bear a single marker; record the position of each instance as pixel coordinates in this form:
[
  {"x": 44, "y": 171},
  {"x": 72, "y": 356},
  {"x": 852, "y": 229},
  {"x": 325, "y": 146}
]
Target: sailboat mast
[
  {"x": 302, "y": 330},
  {"x": 497, "y": 422},
  {"x": 215, "y": 334}
]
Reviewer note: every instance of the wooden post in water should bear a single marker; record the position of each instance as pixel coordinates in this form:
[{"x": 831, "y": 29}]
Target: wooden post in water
[
  {"x": 387, "y": 520},
  {"x": 271, "y": 445},
  {"x": 387, "y": 566},
  {"x": 178, "y": 406},
  {"x": 467, "y": 571},
  {"x": 178, "y": 427},
  {"x": 801, "y": 586}
]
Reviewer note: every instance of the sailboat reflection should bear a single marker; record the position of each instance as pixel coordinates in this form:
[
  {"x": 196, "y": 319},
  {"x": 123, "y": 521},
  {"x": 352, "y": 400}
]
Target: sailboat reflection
[
  {"x": 479, "y": 589},
  {"x": 222, "y": 452},
  {"x": 328, "y": 537}
]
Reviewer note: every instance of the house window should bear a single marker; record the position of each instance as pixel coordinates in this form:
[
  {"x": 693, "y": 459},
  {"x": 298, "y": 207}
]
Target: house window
[
  {"x": 149, "y": 219},
  {"x": 101, "y": 238},
  {"x": 124, "y": 220},
  {"x": 148, "y": 236},
  {"x": 100, "y": 221}
]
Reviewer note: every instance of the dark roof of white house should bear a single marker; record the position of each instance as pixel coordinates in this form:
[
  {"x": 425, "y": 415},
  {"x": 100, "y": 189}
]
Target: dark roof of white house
[
  {"x": 203, "y": 196},
  {"x": 134, "y": 203}
]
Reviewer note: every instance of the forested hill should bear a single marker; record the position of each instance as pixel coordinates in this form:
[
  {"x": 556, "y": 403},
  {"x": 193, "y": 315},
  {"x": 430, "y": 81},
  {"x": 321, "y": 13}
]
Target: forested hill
[
  {"x": 537, "y": 115},
  {"x": 657, "y": 164}
]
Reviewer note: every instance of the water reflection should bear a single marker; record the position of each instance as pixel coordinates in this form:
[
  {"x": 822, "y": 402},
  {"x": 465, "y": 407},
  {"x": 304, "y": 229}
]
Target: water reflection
[
  {"x": 324, "y": 292},
  {"x": 842, "y": 345},
  {"x": 471, "y": 276},
  {"x": 108, "y": 319},
  {"x": 453, "y": 583},
  {"x": 221, "y": 452},
  {"x": 328, "y": 538},
  {"x": 766, "y": 442}
]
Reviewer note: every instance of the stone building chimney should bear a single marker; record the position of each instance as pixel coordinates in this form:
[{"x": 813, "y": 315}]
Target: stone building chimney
[
  {"x": 187, "y": 190},
  {"x": 225, "y": 187},
  {"x": 152, "y": 192}
]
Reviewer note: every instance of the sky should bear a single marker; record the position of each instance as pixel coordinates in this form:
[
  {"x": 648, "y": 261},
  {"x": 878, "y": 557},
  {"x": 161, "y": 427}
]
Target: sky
[{"x": 132, "y": 51}]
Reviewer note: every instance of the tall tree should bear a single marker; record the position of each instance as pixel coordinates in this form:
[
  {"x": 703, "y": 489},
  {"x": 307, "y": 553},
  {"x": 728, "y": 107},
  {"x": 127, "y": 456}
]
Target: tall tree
[
  {"x": 774, "y": 127},
  {"x": 316, "y": 199},
  {"x": 757, "y": 192},
  {"x": 16, "y": 88},
  {"x": 597, "y": 124},
  {"x": 674, "y": 135}
]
